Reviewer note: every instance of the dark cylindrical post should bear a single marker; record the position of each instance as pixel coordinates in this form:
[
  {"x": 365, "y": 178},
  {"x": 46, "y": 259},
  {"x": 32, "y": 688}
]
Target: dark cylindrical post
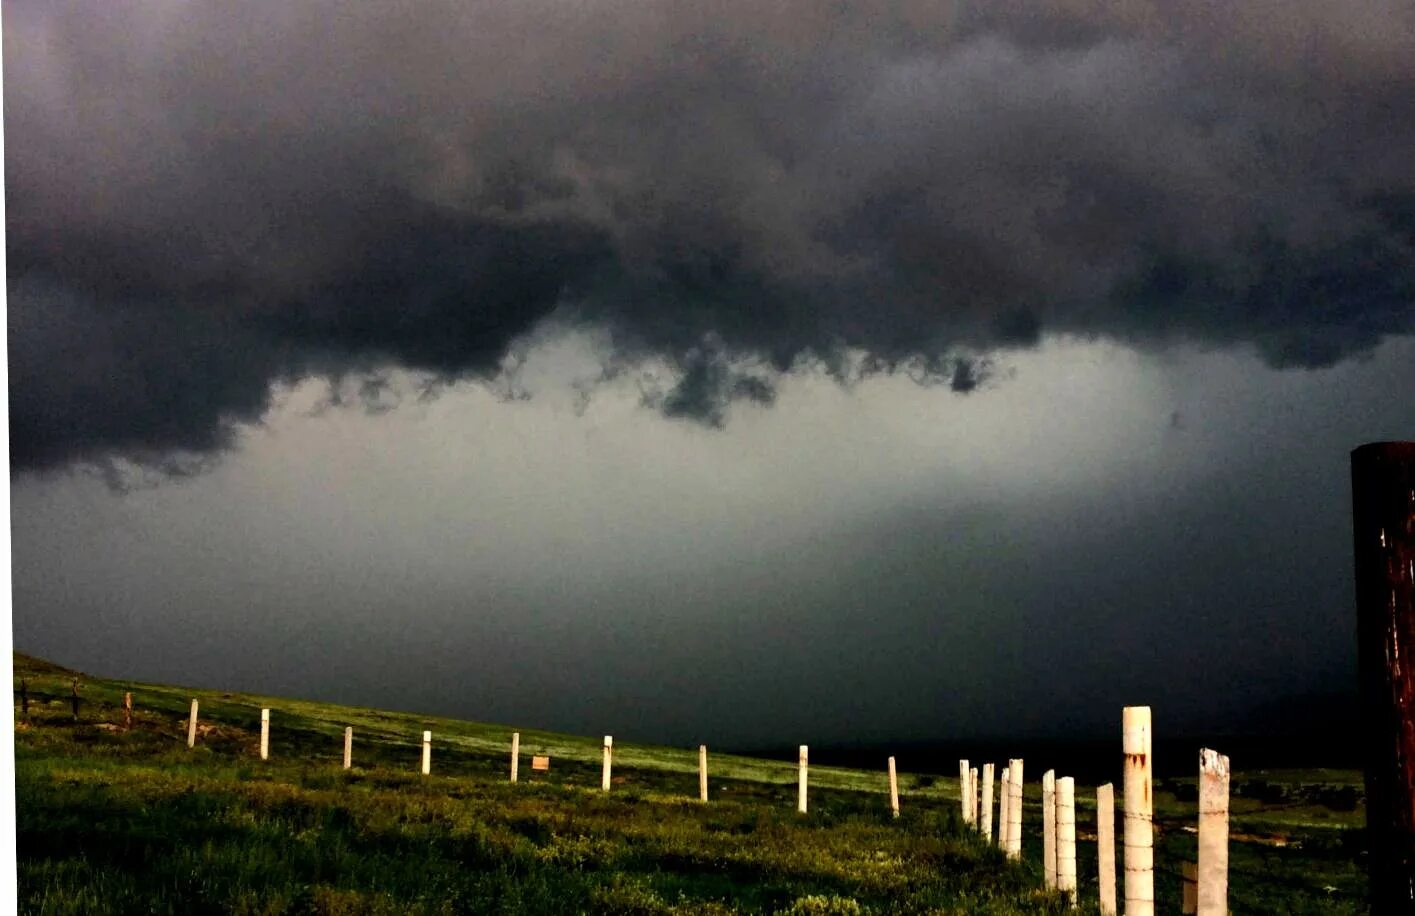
[
  {"x": 1383, "y": 514},
  {"x": 76, "y": 699}
]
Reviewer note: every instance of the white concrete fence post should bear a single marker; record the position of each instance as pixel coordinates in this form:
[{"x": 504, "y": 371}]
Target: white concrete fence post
[
  {"x": 973, "y": 797},
  {"x": 427, "y": 753},
  {"x": 702, "y": 773},
  {"x": 192, "y": 726},
  {"x": 1066, "y": 837},
  {"x": 963, "y": 806},
  {"x": 1213, "y": 834},
  {"x": 608, "y": 762},
  {"x": 1105, "y": 847},
  {"x": 1014, "y": 812},
  {"x": 1004, "y": 802},
  {"x": 265, "y": 734},
  {"x": 985, "y": 822},
  {"x": 348, "y": 746},
  {"x": 1139, "y": 812},
  {"x": 801, "y": 782},
  {"x": 893, "y": 789},
  {"x": 515, "y": 756},
  {"x": 1049, "y": 829}
]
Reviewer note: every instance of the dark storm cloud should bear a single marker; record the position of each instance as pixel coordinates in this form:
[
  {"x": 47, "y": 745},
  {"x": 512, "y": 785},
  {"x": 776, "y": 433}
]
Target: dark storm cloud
[{"x": 207, "y": 197}]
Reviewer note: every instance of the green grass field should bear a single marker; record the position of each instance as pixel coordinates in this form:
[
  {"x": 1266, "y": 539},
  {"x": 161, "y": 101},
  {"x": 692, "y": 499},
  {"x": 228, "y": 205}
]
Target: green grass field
[{"x": 115, "y": 820}]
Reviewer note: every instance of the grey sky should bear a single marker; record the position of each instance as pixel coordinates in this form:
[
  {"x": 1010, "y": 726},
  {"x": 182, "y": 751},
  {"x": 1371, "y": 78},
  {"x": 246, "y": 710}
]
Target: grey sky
[
  {"x": 891, "y": 561},
  {"x": 747, "y": 367}
]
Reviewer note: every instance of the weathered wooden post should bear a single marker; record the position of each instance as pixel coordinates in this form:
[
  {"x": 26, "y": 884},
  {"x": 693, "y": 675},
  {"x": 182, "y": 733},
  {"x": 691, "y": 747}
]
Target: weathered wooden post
[
  {"x": 702, "y": 772},
  {"x": 893, "y": 789},
  {"x": 1014, "y": 812},
  {"x": 76, "y": 699},
  {"x": 427, "y": 753},
  {"x": 192, "y": 726},
  {"x": 1383, "y": 522},
  {"x": 986, "y": 802},
  {"x": 1105, "y": 847},
  {"x": 973, "y": 797},
  {"x": 1049, "y": 829},
  {"x": 963, "y": 806},
  {"x": 608, "y": 762},
  {"x": 1139, "y": 812},
  {"x": 348, "y": 746},
  {"x": 1188, "y": 888},
  {"x": 801, "y": 783},
  {"x": 265, "y": 734},
  {"x": 515, "y": 755},
  {"x": 1213, "y": 834},
  {"x": 1065, "y": 789},
  {"x": 128, "y": 711},
  {"x": 1004, "y": 803}
]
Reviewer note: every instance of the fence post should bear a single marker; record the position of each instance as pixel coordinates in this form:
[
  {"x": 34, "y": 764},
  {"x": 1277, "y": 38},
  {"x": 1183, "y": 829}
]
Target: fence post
[
  {"x": 801, "y": 783},
  {"x": 1139, "y": 812},
  {"x": 608, "y": 762},
  {"x": 1213, "y": 834},
  {"x": 1049, "y": 829},
  {"x": 265, "y": 734},
  {"x": 1383, "y": 525},
  {"x": 515, "y": 755},
  {"x": 963, "y": 790},
  {"x": 985, "y": 802},
  {"x": 893, "y": 789},
  {"x": 1105, "y": 847},
  {"x": 127, "y": 710},
  {"x": 1014, "y": 812},
  {"x": 76, "y": 699},
  {"x": 1066, "y": 838},
  {"x": 973, "y": 797},
  {"x": 1189, "y": 888},
  {"x": 1004, "y": 804},
  {"x": 192, "y": 726},
  {"x": 702, "y": 773},
  {"x": 427, "y": 753},
  {"x": 348, "y": 746}
]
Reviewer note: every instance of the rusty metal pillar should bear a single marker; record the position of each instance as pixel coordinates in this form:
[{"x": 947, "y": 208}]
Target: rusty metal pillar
[{"x": 1383, "y": 515}]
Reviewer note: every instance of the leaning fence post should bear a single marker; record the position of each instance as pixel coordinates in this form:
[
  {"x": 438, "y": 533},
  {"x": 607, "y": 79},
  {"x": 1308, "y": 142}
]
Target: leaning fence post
[
  {"x": 265, "y": 734},
  {"x": 702, "y": 772},
  {"x": 76, "y": 699},
  {"x": 1014, "y": 813},
  {"x": 427, "y": 753},
  {"x": 1213, "y": 834},
  {"x": 515, "y": 755},
  {"x": 1066, "y": 837},
  {"x": 608, "y": 762},
  {"x": 127, "y": 710},
  {"x": 1049, "y": 829},
  {"x": 1383, "y": 527},
  {"x": 348, "y": 746},
  {"x": 1139, "y": 812},
  {"x": 192, "y": 726},
  {"x": 801, "y": 782},
  {"x": 985, "y": 802},
  {"x": 1105, "y": 847},
  {"x": 893, "y": 789},
  {"x": 1004, "y": 804}
]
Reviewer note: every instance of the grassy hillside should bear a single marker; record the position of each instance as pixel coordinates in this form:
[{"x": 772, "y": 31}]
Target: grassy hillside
[{"x": 115, "y": 820}]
